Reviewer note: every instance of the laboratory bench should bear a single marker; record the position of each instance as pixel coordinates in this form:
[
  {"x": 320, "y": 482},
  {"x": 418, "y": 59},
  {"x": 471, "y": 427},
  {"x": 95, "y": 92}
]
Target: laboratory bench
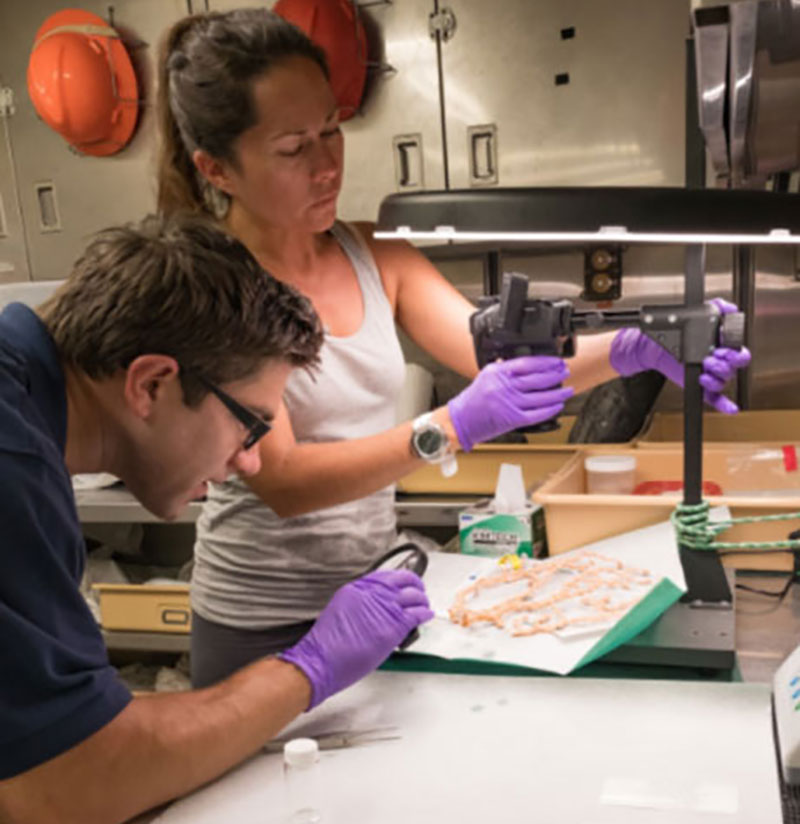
[
  {"x": 766, "y": 631},
  {"x": 116, "y": 505}
]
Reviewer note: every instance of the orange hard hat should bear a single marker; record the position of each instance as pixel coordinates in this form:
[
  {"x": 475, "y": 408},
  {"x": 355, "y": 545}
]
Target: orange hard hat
[
  {"x": 81, "y": 82},
  {"x": 334, "y": 25}
]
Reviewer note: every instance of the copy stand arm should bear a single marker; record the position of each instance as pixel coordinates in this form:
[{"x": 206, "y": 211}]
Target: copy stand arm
[{"x": 706, "y": 584}]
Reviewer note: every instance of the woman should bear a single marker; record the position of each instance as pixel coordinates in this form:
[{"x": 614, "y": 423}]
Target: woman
[{"x": 250, "y": 133}]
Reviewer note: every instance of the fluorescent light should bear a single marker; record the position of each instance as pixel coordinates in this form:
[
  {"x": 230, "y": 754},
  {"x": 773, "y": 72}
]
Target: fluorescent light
[
  {"x": 594, "y": 215},
  {"x": 444, "y": 233}
]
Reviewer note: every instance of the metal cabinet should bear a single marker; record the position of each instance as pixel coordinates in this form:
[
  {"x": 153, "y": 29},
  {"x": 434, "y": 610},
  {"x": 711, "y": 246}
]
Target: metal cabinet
[
  {"x": 566, "y": 92},
  {"x": 64, "y": 196},
  {"x": 394, "y": 143},
  {"x": 13, "y": 255}
]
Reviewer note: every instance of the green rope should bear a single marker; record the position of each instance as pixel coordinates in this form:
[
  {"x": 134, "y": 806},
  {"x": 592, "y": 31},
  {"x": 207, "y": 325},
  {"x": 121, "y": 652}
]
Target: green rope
[{"x": 696, "y": 531}]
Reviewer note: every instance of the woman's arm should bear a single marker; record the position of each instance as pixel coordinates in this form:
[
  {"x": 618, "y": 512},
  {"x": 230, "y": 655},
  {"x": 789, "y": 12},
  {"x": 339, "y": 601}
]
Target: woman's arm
[
  {"x": 432, "y": 312},
  {"x": 298, "y": 478},
  {"x": 590, "y": 366}
]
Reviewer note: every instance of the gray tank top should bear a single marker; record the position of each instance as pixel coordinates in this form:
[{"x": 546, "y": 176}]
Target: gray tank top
[{"x": 256, "y": 570}]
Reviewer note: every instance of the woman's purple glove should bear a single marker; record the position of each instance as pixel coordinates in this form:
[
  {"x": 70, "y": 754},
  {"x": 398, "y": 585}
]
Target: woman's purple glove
[
  {"x": 358, "y": 630},
  {"x": 508, "y": 395},
  {"x": 632, "y": 351}
]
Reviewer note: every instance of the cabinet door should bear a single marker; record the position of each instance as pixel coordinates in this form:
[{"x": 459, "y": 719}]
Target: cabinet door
[
  {"x": 574, "y": 92},
  {"x": 13, "y": 260},
  {"x": 66, "y": 197},
  {"x": 394, "y": 143}
]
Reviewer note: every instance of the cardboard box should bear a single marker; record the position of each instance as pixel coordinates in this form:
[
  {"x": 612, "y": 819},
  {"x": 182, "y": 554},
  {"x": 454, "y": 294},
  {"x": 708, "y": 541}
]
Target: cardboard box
[
  {"x": 763, "y": 426},
  {"x": 574, "y": 518},
  {"x": 145, "y": 607},
  {"x": 482, "y": 531}
]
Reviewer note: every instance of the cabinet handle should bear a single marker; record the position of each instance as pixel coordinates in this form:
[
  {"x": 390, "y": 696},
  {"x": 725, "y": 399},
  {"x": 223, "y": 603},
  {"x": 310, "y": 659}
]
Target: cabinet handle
[
  {"x": 482, "y": 152},
  {"x": 49, "y": 219},
  {"x": 176, "y": 617},
  {"x": 408, "y": 166}
]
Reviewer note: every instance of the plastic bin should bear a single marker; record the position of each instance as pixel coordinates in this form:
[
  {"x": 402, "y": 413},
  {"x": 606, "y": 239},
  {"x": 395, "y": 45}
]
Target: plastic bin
[
  {"x": 773, "y": 426},
  {"x": 750, "y": 487},
  {"x": 145, "y": 607}
]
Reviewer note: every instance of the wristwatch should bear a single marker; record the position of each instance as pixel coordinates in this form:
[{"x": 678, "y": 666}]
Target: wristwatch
[{"x": 429, "y": 441}]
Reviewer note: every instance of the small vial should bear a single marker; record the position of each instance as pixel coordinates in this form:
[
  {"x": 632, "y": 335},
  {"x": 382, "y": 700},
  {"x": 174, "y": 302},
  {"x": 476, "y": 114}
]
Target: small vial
[{"x": 301, "y": 781}]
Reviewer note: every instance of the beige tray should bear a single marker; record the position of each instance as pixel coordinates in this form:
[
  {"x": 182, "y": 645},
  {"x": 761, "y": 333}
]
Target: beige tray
[
  {"x": 764, "y": 426},
  {"x": 574, "y": 518},
  {"x": 145, "y": 608},
  {"x": 543, "y": 455}
]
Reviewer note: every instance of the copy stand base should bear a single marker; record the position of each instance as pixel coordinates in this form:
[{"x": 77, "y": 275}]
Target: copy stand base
[{"x": 686, "y": 635}]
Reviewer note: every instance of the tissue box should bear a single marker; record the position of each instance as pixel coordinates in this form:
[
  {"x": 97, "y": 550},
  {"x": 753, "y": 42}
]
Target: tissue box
[{"x": 482, "y": 531}]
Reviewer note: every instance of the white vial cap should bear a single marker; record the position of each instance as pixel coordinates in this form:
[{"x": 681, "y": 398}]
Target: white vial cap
[
  {"x": 610, "y": 463},
  {"x": 301, "y": 752}
]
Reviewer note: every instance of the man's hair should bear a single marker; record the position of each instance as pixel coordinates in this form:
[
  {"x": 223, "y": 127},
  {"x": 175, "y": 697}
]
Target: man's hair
[{"x": 182, "y": 287}]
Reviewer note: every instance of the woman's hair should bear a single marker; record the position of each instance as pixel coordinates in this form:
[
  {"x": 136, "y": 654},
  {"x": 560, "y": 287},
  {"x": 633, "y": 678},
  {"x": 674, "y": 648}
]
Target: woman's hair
[
  {"x": 178, "y": 286},
  {"x": 208, "y": 65}
]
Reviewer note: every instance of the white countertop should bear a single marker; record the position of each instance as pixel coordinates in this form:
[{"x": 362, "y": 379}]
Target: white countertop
[{"x": 474, "y": 749}]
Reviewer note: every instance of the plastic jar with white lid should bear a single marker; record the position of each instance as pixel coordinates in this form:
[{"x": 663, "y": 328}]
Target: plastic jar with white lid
[
  {"x": 610, "y": 474},
  {"x": 301, "y": 781}
]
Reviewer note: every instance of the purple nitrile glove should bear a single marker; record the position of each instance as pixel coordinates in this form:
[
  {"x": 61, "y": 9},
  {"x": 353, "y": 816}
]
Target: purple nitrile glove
[
  {"x": 358, "y": 630},
  {"x": 508, "y": 395},
  {"x": 632, "y": 351}
]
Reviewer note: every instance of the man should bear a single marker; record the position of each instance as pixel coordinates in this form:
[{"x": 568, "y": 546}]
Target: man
[{"x": 162, "y": 360}]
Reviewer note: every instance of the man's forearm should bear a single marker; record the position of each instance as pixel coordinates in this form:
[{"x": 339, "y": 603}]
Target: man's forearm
[{"x": 158, "y": 748}]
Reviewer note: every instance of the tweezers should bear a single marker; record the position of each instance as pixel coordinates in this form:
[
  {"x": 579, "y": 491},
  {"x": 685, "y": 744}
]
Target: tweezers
[{"x": 340, "y": 739}]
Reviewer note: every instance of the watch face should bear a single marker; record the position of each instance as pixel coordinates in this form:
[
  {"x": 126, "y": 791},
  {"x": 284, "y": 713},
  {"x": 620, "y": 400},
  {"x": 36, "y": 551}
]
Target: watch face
[{"x": 428, "y": 441}]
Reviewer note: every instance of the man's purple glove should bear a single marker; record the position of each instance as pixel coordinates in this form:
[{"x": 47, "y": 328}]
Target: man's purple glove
[
  {"x": 632, "y": 351},
  {"x": 363, "y": 623},
  {"x": 508, "y": 395}
]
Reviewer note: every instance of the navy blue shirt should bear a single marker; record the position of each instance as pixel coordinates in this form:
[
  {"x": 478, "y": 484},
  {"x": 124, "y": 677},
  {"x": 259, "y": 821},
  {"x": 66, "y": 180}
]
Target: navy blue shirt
[{"x": 56, "y": 684}]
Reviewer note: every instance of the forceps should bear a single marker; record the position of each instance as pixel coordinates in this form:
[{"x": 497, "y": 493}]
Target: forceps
[{"x": 341, "y": 739}]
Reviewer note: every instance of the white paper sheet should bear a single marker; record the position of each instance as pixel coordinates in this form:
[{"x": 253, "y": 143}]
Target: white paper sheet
[{"x": 653, "y": 548}]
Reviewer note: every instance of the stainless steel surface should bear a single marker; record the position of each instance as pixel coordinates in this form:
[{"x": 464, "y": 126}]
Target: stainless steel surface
[
  {"x": 147, "y": 641},
  {"x": 117, "y": 505},
  {"x": 773, "y": 144},
  {"x": 762, "y": 90},
  {"x": 13, "y": 252},
  {"x": 711, "y": 60},
  {"x": 431, "y": 510},
  {"x": 775, "y": 368},
  {"x": 619, "y": 119},
  {"x": 743, "y": 25}
]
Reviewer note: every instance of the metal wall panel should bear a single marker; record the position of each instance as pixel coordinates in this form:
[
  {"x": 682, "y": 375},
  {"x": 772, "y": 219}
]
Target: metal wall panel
[
  {"x": 90, "y": 192},
  {"x": 13, "y": 253},
  {"x": 402, "y": 99},
  {"x": 619, "y": 120}
]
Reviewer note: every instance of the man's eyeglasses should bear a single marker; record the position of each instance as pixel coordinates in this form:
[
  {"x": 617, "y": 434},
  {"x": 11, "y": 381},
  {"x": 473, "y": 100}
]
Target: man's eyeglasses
[{"x": 256, "y": 425}]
